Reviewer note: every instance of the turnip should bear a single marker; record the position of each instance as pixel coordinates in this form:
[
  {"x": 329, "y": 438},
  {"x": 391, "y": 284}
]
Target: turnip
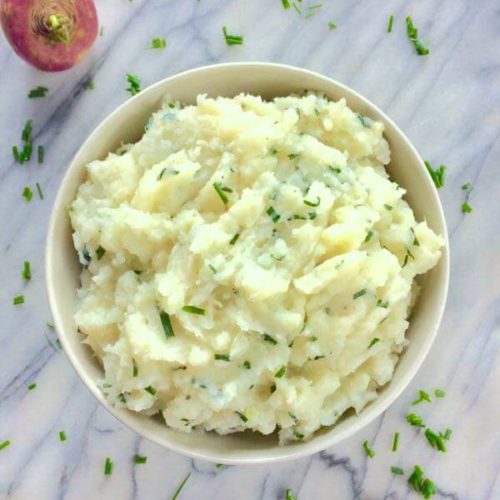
[{"x": 52, "y": 35}]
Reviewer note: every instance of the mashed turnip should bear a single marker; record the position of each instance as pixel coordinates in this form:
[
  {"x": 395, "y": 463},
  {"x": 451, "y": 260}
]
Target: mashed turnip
[{"x": 248, "y": 265}]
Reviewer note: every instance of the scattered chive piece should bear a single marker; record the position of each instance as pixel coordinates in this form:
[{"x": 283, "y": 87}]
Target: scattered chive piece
[
  {"x": 222, "y": 195},
  {"x": 395, "y": 442},
  {"x": 296, "y": 7},
  {"x": 38, "y": 92},
  {"x": 467, "y": 186},
  {"x": 139, "y": 459},
  {"x": 288, "y": 494},
  {"x": 39, "y": 189},
  {"x": 151, "y": 390},
  {"x": 232, "y": 39},
  {"x": 158, "y": 43},
  {"x": 219, "y": 466},
  {"x": 337, "y": 170},
  {"x": 365, "y": 121},
  {"x": 247, "y": 365},
  {"x": 272, "y": 388},
  {"x": 275, "y": 217},
  {"x": 435, "y": 440},
  {"x": 383, "y": 304},
  {"x": 27, "y": 194},
  {"x": 134, "y": 84},
  {"x": 466, "y": 208},
  {"x": 412, "y": 33},
  {"x": 242, "y": 416},
  {"x": 26, "y": 270},
  {"x": 368, "y": 237},
  {"x": 40, "y": 153},
  {"x": 100, "y": 252},
  {"x": 446, "y": 435},
  {"x": 368, "y": 450},
  {"x": 135, "y": 368},
  {"x": 331, "y": 25},
  {"x": 427, "y": 488},
  {"x": 31, "y": 386},
  {"x": 391, "y": 22},
  {"x": 286, "y": 4},
  {"x": 373, "y": 342},
  {"x": 415, "y": 420},
  {"x": 122, "y": 398},
  {"x": 179, "y": 489},
  {"x": 397, "y": 470},
  {"x": 89, "y": 84},
  {"x": 234, "y": 239},
  {"x": 280, "y": 372},
  {"x": 437, "y": 174},
  {"x": 212, "y": 268},
  {"x": 387, "y": 207},
  {"x": 269, "y": 339},
  {"x": 298, "y": 434},
  {"x": 62, "y": 436},
  {"x": 108, "y": 467},
  {"x": 221, "y": 357},
  {"x": 359, "y": 294},
  {"x": 422, "y": 396},
  {"x": 165, "y": 323},
  {"x": 5, "y": 444},
  {"x": 18, "y": 299},
  {"x": 421, "y": 485},
  {"x": 195, "y": 310},
  {"x": 439, "y": 393},
  {"x": 312, "y": 203}
]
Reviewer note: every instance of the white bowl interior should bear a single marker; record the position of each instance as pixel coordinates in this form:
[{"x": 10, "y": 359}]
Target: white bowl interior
[{"x": 126, "y": 124}]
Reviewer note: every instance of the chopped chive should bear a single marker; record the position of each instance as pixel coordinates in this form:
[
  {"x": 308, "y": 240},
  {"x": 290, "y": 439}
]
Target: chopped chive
[
  {"x": 226, "y": 189},
  {"x": 416, "y": 478},
  {"x": 439, "y": 393},
  {"x": 368, "y": 237},
  {"x": 40, "y": 154},
  {"x": 158, "y": 43},
  {"x": 18, "y": 299},
  {"x": 382, "y": 303},
  {"x": 337, "y": 170},
  {"x": 296, "y": 7},
  {"x": 100, "y": 252},
  {"x": 122, "y": 398},
  {"x": 139, "y": 459},
  {"x": 134, "y": 84},
  {"x": 373, "y": 342},
  {"x": 108, "y": 467},
  {"x": 312, "y": 203},
  {"x": 242, "y": 416},
  {"x": 412, "y": 33},
  {"x": 179, "y": 489},
  {"x": 26, "y": 270},
  {"x": 427, "y": 488},
  {"x": 466, "y": 208},
  {"x": 388, "y": 207},
  {"x": 31, "y": 386},
  {"x": 166, "y": 324},
  {"x": 391, "y": 22},
  {"x": 232, "y": 39},
  {"x": 437, "y": 174},
  {"x": 212, "y": 268},
  {"x": 234, "y": 239},
  {"x": 89, "y": 84},
  {"x": 269, "y": 339},
  {"x": 219, "y": 466},
  {"x": 365, "y": 121},
  {"x": 27, "y": 194},
  {"x": 62, "y": 436},
  {"x": 222, "y": 357},
  {"x": 160, "y": 175},
  {"x": 298, "y": 434},
  {"x": 293, "y": 156},
  {"x": 368, "y": 450},
  {"x": 359, "y": 294},
  {"x": 50, "y": 325},
  {"x": 247, "y": 364},
  {"x": 467, "y": 186},
  {"x": 38, "y": 92},
  {"x": 272, "y": 389},
  {"x": 435, "y": 440},
  {"x": 286, "y": 4},
  {"x": 39, "y": 190},
  {"x": 331, "y": 26},
  {"x": 288, "y": 494},
  {"x": 222, "y": 195},
  {"x": 395, "y": 442},
  {"x": 151, "y": 390},
  {"x": 15, "y": 154},
  {"x": 194, "y": 310},
  {"x": 275, "y": 217},
  {"x": 446, "y": 435},
  {"x": 135, "y": 368},
  {"x": 5, "y": 444},
  {"x": 280, "y": 372},
  {"x": 415, "y": 420},
  {"x": 422, "y": 396},
  {"x": 397, "y": 470}
]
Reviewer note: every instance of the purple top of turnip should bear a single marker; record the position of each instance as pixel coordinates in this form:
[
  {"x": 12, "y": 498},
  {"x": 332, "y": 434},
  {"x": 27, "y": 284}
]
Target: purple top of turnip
[{"x": 52, "y": 35}]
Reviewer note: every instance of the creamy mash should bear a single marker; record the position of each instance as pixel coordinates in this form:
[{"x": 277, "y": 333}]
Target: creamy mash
[{"x": 248, "y": 265}]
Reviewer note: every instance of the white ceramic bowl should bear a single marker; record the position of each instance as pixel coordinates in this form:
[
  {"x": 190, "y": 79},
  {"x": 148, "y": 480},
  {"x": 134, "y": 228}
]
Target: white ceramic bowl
[{"x": 126, "y": 124}]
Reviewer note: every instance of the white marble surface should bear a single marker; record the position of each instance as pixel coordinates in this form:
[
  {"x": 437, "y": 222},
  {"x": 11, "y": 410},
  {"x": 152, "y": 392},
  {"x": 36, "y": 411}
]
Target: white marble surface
[{"x": 449, "y": 105}]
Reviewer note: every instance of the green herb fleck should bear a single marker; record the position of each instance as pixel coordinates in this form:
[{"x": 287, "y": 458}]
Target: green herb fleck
[
  {"x": 397, "y": 470},
  {"x": 439, "y": 393},
  {"x": 382, "y": 303},
  {"x": 31, "y": 386},
  {"x": 331, "y": 26},
  {"x": 89, "y": 84},
  {"x": 139, "y": 459},
  {"x": 368, "y": 237},
  {"x": 234, "y": 239},
  {"x": 247, "y": 364},
  {"x": 4, "y": 445},
  {"x": 269, "y": 339},
  {"x": 194, "y": 310},
  {"x": 365, "y": 121},
  {"x": 391, "y": 22},
  {"x": 242, "y": 416},
  {"x": 412, "y": 33},
  {"x": 100, "y": 252},
  {"x": 337, "y": 170},
  {"x": 134, "y": 84},
  {"x": 135, "y": 368},
  {"x": 222, "y": 357},
  {"x": 158, "y": 43},
  {"x": 435, "y": 440},
  {"x": 27, "y": 194},
  {"x": 275, "y": 217},
  {"x": 232, "y": 39},
  {"x": 359, "y": 294},
  {"x": 62, "y": 436},
  {"x": 26, "y": 270},
  {"x": 388, "y": 207},
  {"x": 288, "y": 494},
  {"x": 220, "y": 192},
  {"x": 151, "y": 390},
  {"x": 108, "y": 467},
  {"x": 422, "y": 396},
  {"x": 166, "y": 324},
  {"x": 368, "y": 450},
  {"x": 373, "y": 342},
  {"x": 298, "y": 435},
  {"x": 437, "y": 174},
  {"x": 312, "y": 203},
  {"x": 280, "y": 372},
  {"x": 395, "y": 442},
  {"x": 38, "y": 92},
  {"x": 415, "y": 420},
  {"x": 446, "y": 435},
  {"x": 286, "y": 4},
  {"x": 179, "y": 489},
  {"x": 18, "y": 299},
  {"x": 466, "y": 208},
  {"x": 39, "y": 190},
  {"x": 467, "y": 186},
  {"x": 421, "y": 485},
  {"x": 272, "y": 389}
]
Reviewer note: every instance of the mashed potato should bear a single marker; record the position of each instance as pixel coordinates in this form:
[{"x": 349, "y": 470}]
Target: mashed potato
[{"x": 248, "y": 265}]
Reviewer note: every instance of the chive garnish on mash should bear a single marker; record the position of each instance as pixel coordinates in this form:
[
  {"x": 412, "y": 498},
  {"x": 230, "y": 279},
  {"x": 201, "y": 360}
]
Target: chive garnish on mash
[
  {"x": 194, "y": 310},
  {"x": 166, "y": 324},
  {"x": 359, "y": 294},
  {"x": 220, "y": 192},
  {"x": 275, "y": 217}
]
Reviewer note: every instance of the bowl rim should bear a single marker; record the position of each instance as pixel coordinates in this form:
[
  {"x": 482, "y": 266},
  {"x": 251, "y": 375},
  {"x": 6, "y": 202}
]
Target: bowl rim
[{"x": 370, "y": 412}]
